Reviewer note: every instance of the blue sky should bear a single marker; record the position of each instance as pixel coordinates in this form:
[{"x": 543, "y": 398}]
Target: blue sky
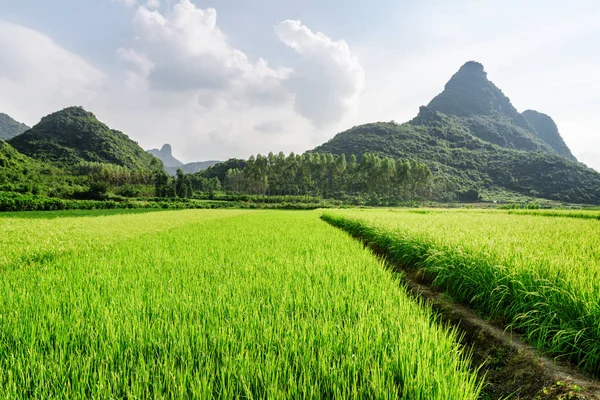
[{"x": 222, "y": 78}]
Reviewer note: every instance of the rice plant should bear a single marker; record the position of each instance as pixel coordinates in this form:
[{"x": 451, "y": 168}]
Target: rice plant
[
  {"x": 542, "y": 275},
  {"x": 213, "y": 304}
]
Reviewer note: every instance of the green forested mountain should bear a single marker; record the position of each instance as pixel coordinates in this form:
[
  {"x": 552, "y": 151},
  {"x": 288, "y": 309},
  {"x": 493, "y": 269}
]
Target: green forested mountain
[
  {"x": 14, "y": 165},
  {"x": 10, "y": 128},
  {"x": 546, "y": 129},
  {"x": 471, "y": 135},
  {"x": 73, "y": 136},
  {"x": 482, "y": 107}
]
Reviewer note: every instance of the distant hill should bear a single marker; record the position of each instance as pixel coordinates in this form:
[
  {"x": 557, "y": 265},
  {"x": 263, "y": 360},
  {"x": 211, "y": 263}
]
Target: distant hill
[
  {"x": 9, "y": 128},
  {"x": 192, "y": 168},
  {"x": 165, "y": 155},
  {"x": 172, "y": 164},
  {"x": 74, "y": 135},
  {"x": 471, "y": 134}
]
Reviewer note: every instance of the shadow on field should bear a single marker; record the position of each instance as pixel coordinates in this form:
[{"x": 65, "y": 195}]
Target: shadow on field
[{"x": 75, "y": 213}]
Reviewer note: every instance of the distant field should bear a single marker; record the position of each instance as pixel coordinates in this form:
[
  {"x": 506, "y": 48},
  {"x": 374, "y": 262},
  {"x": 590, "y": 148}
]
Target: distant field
[
  {"x": 585, "y": 214},
  {"x": 541, "y": 275},
  {"x": 211, "y": 304}
]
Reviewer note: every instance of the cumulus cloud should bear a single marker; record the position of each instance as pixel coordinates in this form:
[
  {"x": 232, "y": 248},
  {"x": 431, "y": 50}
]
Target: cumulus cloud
[
  {"x": 214, "y": 101},
  {"x": 186, "y": 52},
  {"x": 37, "y": 76},
  {"x": 328, "y": 78},
  {"x": 153, "y": 3}
]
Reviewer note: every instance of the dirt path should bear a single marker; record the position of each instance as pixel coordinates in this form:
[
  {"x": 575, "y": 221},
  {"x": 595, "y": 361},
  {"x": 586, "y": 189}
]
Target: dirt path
[{"x": 512, "y": 368}]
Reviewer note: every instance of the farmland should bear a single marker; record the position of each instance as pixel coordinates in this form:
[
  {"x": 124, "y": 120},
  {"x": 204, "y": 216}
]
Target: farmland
[
  {"x": 537, "y": 271},
  {"x": 212, "y": 304}
]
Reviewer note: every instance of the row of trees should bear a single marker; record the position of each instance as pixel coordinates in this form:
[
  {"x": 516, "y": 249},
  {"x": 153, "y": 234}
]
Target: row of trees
[
  {"x": 330, "y": 176},
  {"x": 182, "y": 185},
  {"x": 113, "y": 175}
]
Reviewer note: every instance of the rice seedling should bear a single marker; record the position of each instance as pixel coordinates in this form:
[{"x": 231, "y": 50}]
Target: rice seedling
[
  {"x": 541, "y": 275},
  {"x": 215, "y": 304}
]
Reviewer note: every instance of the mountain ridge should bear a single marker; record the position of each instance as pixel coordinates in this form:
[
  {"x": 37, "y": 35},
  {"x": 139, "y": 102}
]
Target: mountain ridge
[
  {"x": 73, "y": 135},
  {"x": 10, "y": 128},
  {"x": 546, "y": 129},
  {"x": 480, "y": 141}
]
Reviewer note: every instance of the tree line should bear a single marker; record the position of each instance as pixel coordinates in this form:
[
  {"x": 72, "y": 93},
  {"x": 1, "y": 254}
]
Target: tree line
[{"x": 310, "y": 174}]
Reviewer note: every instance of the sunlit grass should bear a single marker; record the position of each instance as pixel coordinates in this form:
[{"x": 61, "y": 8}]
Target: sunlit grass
[
  {"x": 542, "y": 275},
  {"x": 216, "y": 304}
]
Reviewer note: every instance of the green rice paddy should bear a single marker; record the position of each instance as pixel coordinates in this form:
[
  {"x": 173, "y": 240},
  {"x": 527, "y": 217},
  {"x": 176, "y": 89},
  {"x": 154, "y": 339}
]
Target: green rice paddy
[{"x": 212, "y": 304}]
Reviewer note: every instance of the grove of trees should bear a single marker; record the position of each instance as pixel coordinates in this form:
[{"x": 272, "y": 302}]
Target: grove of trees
[{"x": 329, "y": 176}]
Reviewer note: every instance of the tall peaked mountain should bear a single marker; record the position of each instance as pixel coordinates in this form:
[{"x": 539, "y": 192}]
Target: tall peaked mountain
[
  {"x": 165, "y": 154},
  {"x": 470, "y": 134},
  {"x": 486, "y": 111},
  {"x": 74, "y": 135},
  {"x": 9, "y": 128}
]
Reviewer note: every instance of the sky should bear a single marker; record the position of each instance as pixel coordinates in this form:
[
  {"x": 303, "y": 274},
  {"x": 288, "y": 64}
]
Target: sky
[{"x": 230, "y": 78}]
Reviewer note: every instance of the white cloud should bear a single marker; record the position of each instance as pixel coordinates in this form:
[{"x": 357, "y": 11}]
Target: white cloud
[
  {"x": 37, "y": 76},
  {"x": 185, "y": 52},
  {"x": 153, "y": 3},
  {"x": 129, "y": 3},
  {"x": 211, "y": 100},
  {"x": 328, "y": 79}
]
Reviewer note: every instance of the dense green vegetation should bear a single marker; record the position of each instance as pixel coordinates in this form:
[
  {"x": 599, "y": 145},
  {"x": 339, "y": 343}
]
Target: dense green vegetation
[
  {"x": 326, "y": 176},
  {"x": 547, "y": 130},
  {"x": 471, "y": 136},
  {"x": 219, "y": 304},
  {"x": 73, "y": 135},
  {"x": 10, "y": 128},
  {"x": 16, "y": 168},
  {"x": 585, "y": 214},
  {"x": 468, "y": 145},
  {"x": 540, "y": 275},
  {"x": 455, "y": 155}
]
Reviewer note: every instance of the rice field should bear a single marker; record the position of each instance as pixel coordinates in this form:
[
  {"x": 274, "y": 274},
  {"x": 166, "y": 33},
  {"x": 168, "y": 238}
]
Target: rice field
[
  {"x": 540, "y": 275},
  {"x": 211, "y": 304}
]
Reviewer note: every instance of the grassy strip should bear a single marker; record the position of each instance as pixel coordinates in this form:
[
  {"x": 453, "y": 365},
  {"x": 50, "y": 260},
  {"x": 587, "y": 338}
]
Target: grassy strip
[
  {"x": 506, "y": 275},
  {"x": 268, "y": 304},
  {"x": 559, "y": 213},
  {"x": 12, "y": 202}
]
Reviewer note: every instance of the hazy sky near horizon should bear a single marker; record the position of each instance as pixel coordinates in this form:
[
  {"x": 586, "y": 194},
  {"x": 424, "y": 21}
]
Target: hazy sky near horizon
[{"x": 230, "y": 78}]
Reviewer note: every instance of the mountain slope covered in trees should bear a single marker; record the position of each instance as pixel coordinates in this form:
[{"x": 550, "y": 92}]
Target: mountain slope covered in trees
[
  {"x": 546, "y": 129},
  {"x": 472, "y": 136},
  {"x": 73, "y": 136},
  {"x": 9, "y": 128}
]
